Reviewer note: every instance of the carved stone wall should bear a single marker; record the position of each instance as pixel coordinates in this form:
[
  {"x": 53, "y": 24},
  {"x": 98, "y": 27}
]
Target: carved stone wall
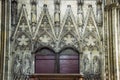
[{"x": 56, "y": 24}]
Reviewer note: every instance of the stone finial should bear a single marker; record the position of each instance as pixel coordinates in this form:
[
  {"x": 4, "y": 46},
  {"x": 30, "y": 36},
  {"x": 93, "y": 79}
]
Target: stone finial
[
  {"x": 69, "y": 6},
  {"x": 57, "y": 1},
  {"x": 90, "y": 6},
  {"x": 80, "y": 2},
  {"x": 45, "y": 5},
  {"x": 33, "y": 2},
  {"x": 99, "y": 12},
  {"x": 99, "y": 2}
]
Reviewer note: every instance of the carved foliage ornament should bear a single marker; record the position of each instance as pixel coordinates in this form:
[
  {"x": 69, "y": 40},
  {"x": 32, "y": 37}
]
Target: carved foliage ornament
[{"x": 23, "y": 40}]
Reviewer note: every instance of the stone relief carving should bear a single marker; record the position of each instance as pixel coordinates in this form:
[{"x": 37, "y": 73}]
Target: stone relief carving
[
  {"x": 23, "y": 40},
  {"x": 69, "y": 39},
  {"x": 90, "y": 41},
  {"x": 86, "y": 62},
  {"x": 45, "y": 39},
  {"x": 27, "y": 64},
  {"x": 91, "y": 61},
  {"x": 90, "y": 27},
  {"x": 96, "y": 65},
  {"x": 22, "y": 62},
  {"x": 83, "y": 34},
  {"x": 17, "y": 66},
  {"x": 23, "y": 26},
  {"x": 69, "y": 26}
]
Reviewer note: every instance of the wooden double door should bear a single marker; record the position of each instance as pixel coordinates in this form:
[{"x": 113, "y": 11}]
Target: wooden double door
[{"x": 64, "y": 62}]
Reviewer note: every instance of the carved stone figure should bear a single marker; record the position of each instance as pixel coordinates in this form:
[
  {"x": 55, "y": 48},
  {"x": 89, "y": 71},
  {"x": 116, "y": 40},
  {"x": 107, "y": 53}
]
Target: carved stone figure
[
  {"x": 86, "y": 63},
  {"x": 33, "y": 13},
  {"x": 27, "y": 65},
  {"x": 96, "y": 65},
  {"x": 16, "y": 66},
  {"x": 14, "y": 11},
  {"x": 57, "y": 13}
]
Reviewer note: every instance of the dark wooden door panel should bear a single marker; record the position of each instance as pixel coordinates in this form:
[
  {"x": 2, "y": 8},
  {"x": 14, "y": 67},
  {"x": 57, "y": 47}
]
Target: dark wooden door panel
[
  {"x": 46, "y": 61},
  {"x": 45, "y": 66},
  {"x": 69, "y": 66}
]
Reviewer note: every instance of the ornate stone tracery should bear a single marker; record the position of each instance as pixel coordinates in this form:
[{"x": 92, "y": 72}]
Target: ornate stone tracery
[{"x": 81, "y": 33}]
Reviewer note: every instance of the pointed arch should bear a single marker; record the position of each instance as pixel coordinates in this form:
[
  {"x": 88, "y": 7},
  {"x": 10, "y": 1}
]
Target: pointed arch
[
  {"x": 45, "y": 13},
  {"x": 23, "y": 14},
  {"x": 70, "y": 47},
  {"x": 90, "y": 14},
  {"x": 69, "y": 60},
  {"x": 45, "y": 60},
  {"x": 69, "y": 13}
]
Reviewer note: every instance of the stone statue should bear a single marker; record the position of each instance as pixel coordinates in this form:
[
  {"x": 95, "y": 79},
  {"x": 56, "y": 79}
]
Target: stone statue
[
  {"x": 17, "y": 66},
  {"x": 96, "y": 65},
  {"x": 27, "y": 65},
  {"x": 33, "y": 13},
  {"x": 86, "y": 64}
]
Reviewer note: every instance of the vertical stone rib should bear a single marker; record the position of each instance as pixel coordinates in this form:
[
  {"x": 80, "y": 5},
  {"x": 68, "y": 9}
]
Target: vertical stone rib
[
  {"x": 107, "y": 50},
  {"x": 112, "y": 41},
  {"x": 2, "y": 39},
  {"x": 14, "y": 12}
]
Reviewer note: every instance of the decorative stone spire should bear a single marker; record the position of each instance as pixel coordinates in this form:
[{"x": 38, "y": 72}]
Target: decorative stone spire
[
  {"x": 57, "y": 15},
  {"x": 80, "y": 1},
  {"x": 33, "y": 12},
  {"x": 14, "y": 12},
  {"x": 45, "y": 7},
  {"x": 99, "y": 13},
  {"x": 57, "y": 11},
  {"x": 80, "y": 13}
]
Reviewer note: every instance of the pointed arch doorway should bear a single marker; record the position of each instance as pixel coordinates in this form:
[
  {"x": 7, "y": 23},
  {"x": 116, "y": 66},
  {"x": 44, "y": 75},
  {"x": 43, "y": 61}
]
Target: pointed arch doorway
[
  {"x": 64, "y": 62},
  {"x": 69, "y": 61},
  {"x": 45, "y": 61}
]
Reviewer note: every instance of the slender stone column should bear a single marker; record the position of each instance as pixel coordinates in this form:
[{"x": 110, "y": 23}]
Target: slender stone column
[
  {"x": 80, "y": 22},
  {"x": 112, "y": 22},
  {"x": 2, "y": 38}
]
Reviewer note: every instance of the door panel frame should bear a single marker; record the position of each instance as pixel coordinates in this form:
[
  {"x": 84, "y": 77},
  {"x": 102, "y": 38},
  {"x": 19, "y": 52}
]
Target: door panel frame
[{"x": 57, "y": 56}]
